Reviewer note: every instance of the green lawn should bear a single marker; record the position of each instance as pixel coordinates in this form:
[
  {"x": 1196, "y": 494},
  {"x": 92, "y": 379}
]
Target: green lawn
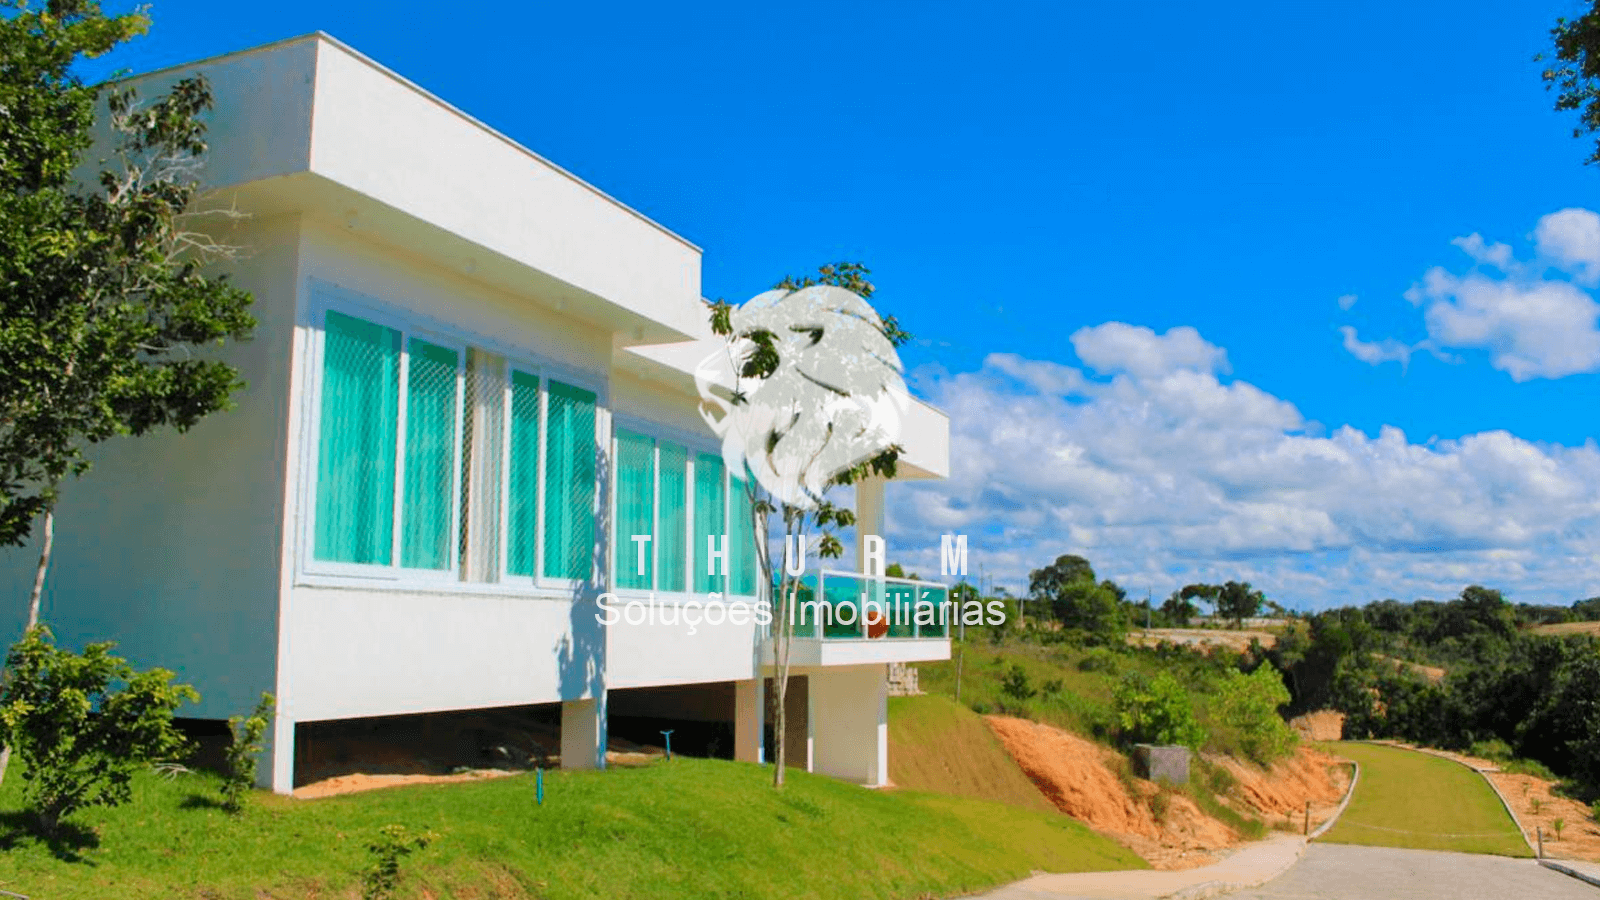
[
  {"x": 1413, "y": 800},
  {"x": 936, "y": 744},
  {"x": 686, "y": 829}
]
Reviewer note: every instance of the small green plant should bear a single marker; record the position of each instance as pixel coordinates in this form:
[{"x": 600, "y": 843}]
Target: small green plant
[
  {"x": 1536, "y": 804},
  {"x": 1016, "y": 684},
  {"x": 1051, "y": 687},
  {"x": 1558, "y": 824},
  {"x": 393, "y": 844},
  {"x": 83, "y": 724},
  {"x": 1594, "y": 811},
  {"x": 239, "y": 774}
]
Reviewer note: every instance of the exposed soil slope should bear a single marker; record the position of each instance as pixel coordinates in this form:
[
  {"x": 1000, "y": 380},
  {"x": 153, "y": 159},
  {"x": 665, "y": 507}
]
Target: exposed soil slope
[{"x": 1089, "y": 783}]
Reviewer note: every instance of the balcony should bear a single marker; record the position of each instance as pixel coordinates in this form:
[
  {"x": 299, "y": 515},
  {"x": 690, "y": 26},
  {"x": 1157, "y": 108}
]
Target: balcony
[{"x": 846, "y": 618}]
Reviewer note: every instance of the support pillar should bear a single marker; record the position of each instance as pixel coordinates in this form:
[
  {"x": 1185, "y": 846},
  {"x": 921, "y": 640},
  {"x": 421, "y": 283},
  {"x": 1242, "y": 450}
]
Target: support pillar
[
  {"x": 583, "y": 733},
  {"x": 869, "y": 518},
  {"x": 852, "y": 731},
  {"x": 280, "y": 770},
  {"x": 749, "y": 720}
]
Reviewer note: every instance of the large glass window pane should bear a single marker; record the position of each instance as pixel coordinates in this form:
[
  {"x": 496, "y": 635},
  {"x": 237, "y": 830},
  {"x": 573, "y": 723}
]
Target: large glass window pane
[
  {"x": 522, "y": 487},
  {"x": 425, "y": 535},
  {"x": 569, "y": 483},
  {"x": 710, "y": 521},
  {"x": 636, "y": 480},
  {"x": 671, "y": 525},
  {"x": 741, "y": 539},
  {"x": 356, "y": 446}
]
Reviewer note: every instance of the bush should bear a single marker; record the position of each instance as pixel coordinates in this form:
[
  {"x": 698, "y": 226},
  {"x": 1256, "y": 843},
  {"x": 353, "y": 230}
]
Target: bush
[
  {"x": 1494, "y": 750},
  {"x": 239, "y": 772},
  {"x": 1099, "y": 659},
  {"x": 1016, "y": 685},
  {"x": 1156, "y": 711},
  {"x": 83, "y": 724},
  {"x": 1250, "y": 704}
]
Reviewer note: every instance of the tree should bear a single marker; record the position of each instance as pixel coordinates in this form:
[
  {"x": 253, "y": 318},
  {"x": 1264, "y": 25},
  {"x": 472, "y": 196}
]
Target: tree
[
  {"x": 103, "y": 291},
  {"x": 826, "y": 346},
  {"x": 1575, "y": 73},
  {"x": 1236, "y": 600},
  {"x": 1177, "y": 610},
  {"x": 1077, "y": 600},
  {"x": 84, "y": 724},
  {"x": 1156, "y": 711}
]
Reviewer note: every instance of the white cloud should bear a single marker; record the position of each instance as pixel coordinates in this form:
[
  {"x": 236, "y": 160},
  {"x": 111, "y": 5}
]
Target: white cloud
[
  {"x": 1533, "y": 328},
  {"x": 1167, "y": 474},
  {"x": 1533, "y": 321},
  {"x": 1571, "y": 239},
  {"x": 1347, "y": 301},
  {"x": 1497, "y": 255},
  {"x": 1375, "y": 353},
  {"x": 1117, "y": 347}
]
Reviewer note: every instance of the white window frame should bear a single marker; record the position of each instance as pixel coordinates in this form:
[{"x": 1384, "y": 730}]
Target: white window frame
[
  {"x": 692, "y": 444},
  {"x": 543, "y": 371},
  {"x": 325, "y": 298},
  {"x": 322, "y": 296}
]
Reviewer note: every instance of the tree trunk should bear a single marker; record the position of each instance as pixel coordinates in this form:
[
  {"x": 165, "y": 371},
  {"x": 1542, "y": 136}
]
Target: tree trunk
[
  {"x": 34, "y": 601},
  {"x": 44, "y": 567}
]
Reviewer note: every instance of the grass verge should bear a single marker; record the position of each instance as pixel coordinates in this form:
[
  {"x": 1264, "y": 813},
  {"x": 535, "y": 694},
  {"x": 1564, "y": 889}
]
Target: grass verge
[
  {"x": 690, "y": 828},
  {"x": 1420, "y": 802}
]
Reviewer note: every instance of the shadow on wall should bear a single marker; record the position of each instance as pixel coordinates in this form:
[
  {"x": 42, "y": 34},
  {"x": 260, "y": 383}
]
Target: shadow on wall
[{"x": 581, "y": 652}]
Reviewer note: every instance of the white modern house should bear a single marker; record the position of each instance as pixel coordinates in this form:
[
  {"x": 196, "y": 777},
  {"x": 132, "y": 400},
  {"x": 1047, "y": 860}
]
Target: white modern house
[{"x": 471, "y": 384}]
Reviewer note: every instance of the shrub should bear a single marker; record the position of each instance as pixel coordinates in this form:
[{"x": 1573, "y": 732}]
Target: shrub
[
  {"x": 239, "y": 772},
  {"x": 1558, "y": 825},
  {"x": 1052, "y": 687},
  {"x": 83, "y": 724},
  {"x": 393, "y": 844},
  {"x": 1156, "y": 711},
  {"x": 1249, "y": 704},
  {"x": 1099, "y": 659},
  {"x": 1494, "y": 750},
  {"x": 1594, "y": 811},
  {"x": 1016, "y": 685}
]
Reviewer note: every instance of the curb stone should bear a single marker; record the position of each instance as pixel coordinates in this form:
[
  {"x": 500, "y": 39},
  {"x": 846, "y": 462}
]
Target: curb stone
[{"x": 1568, "y": 870}]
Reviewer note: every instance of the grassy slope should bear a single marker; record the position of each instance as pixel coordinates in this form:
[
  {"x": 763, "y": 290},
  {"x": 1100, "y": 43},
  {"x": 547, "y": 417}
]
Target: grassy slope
[
  {"x": 937, "y": 745},
  {"x": 689, "y": 828},
  {"x": 1413, "y": 800}
]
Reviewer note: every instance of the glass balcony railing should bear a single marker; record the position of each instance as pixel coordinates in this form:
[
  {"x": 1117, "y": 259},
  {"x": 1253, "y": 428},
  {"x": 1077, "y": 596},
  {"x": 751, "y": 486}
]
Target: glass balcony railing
[{"x": 851, "y": 606}]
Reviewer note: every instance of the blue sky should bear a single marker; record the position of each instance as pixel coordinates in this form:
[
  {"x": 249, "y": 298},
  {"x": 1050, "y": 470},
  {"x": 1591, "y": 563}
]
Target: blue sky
[{"x": 1020, "y": 175}]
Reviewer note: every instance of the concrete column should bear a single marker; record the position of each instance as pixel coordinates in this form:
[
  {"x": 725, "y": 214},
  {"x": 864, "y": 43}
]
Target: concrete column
[
  {"x": 749, "y": 720},
  {"x": 869, "y": 518},
  {"x": 279, "y": 774},
  {"x": 583, "y": 733},
  {"x": 852, "y": 723}
]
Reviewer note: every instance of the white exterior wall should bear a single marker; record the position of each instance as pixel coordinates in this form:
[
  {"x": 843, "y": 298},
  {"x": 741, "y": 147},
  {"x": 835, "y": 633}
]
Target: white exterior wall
[
  {"x": 170, "y": 544},
  {"x": 354, "y": 649},
  {"x": 651, "y": 653}
]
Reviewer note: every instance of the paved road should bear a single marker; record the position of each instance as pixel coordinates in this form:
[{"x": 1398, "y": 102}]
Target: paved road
[{"x": 1345, "y": 872}]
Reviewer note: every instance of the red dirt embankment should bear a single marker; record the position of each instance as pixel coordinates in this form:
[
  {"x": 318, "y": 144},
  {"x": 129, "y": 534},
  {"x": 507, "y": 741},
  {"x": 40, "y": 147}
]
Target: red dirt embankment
[{"x": 1085, "y": 781}]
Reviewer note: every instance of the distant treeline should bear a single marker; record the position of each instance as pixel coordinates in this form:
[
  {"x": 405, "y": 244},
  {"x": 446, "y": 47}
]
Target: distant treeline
[{"x": 1539, "y": 694}]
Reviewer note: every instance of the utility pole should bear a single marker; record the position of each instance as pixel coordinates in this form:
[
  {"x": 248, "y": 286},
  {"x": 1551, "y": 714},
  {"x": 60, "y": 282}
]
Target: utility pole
[{"x": 961, "y": 642}]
